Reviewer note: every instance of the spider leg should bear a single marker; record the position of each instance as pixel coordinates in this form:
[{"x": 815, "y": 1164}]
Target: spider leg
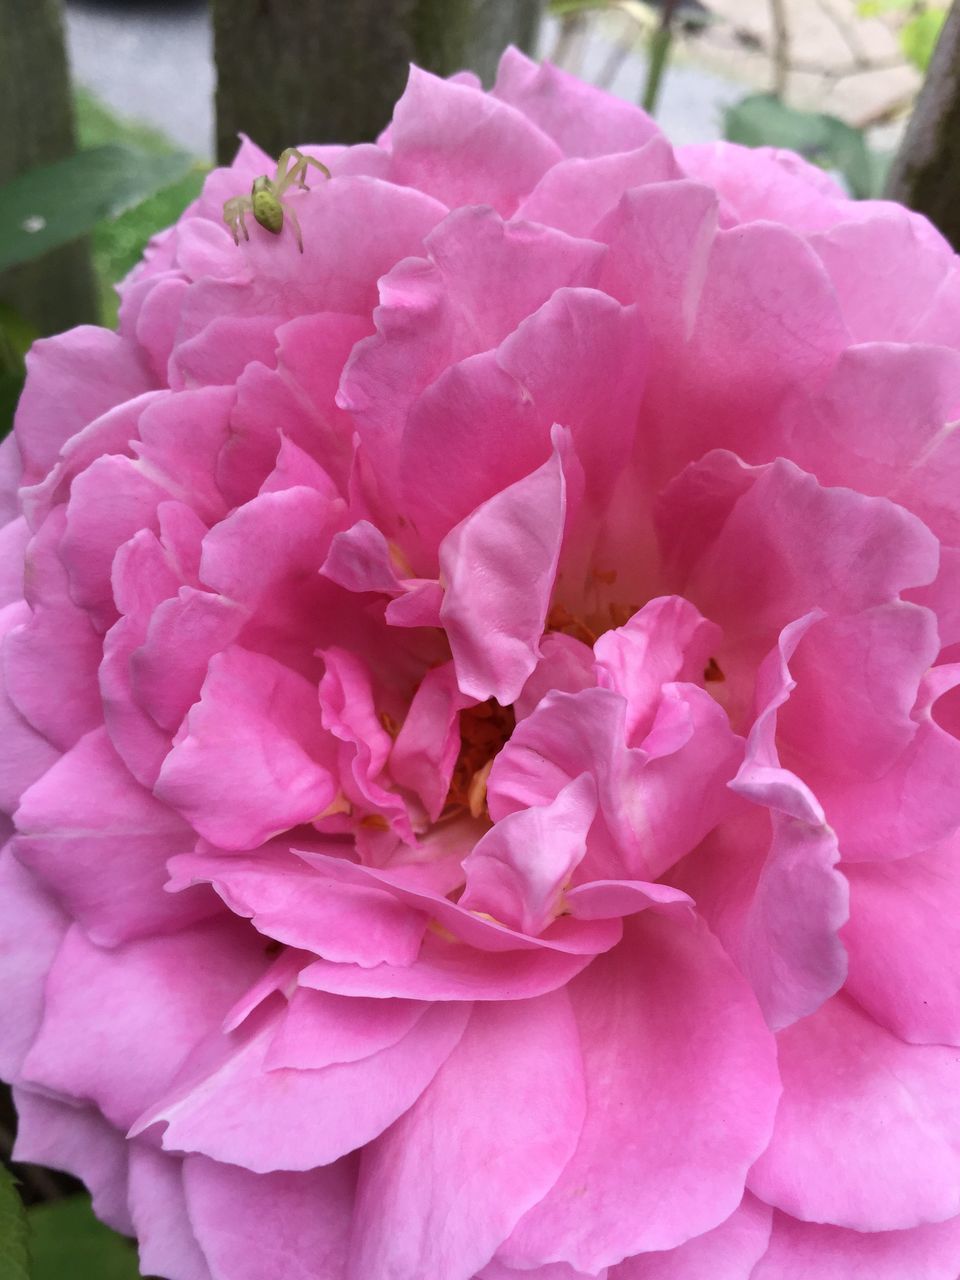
[
  {"x": 304, "y": 161},
  {"x": 285, "y": 175},
  {"x": 296, "y": 226},
  {"x": 233, "y": 215},
  {"x": 296, "y": 172}
]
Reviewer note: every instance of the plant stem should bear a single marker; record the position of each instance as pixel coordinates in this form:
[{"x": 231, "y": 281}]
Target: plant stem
[
  {"x": 659, "y": 49},
  {"x": 925, "y": 174},
  {"x": 781, "y": 46}
]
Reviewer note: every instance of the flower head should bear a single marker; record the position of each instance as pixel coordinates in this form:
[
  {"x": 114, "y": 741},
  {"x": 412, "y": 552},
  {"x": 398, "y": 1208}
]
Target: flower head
[{"x": 477, "y": 728}]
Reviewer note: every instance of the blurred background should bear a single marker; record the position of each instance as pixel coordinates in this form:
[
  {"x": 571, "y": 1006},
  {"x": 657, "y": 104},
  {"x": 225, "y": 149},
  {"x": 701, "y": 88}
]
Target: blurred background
[
  {"x": 114, "y": 110},
  {"x": 153, "y": 62},
  {"x": 150, "y": 93}
]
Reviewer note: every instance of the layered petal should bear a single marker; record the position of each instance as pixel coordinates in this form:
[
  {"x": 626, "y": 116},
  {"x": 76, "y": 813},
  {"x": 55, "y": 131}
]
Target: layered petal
[
  {"x": 653, "y": 1181},
  {"x": 485, "y": 1170}
]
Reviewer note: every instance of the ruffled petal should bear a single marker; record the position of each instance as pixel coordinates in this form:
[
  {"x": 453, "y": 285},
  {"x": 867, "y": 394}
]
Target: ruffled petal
[
  {"x": 728, "y": 1252},
  {"x": 802, "y": 1249},
  {"x": 498, "y": 568},
  {"x": 252, "y": 758},
  {"x": 79, "y": 1141},
  {"x": 253, "y": 1225},
  {"x": 867, "y": 1134},
  {"x": 582, "y": 120},
  {"x": 100, "y": 842},
  {"x": 450, "y": 140},
  {"x": 663, "y": 1016},
  {"x": 230, "y": 1106},
  {"x": 118, "y": 1023},
  {"x": 902, "y": 939},
  {"x": 487, "y": 1166}
]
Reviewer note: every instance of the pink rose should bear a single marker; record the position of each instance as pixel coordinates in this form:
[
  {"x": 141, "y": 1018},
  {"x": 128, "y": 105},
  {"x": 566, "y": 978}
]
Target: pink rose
[{"x": 477, "y": 729}]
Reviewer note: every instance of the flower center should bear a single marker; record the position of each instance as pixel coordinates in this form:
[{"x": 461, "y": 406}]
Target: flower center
[
  {"x": 589, "y": 628},
  {"x": 484, "y": 730}
]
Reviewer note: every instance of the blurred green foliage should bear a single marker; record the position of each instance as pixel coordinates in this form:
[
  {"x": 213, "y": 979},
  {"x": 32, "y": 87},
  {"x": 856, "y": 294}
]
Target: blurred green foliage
[
  {"x": 118, "y": 244},
  {"x": 68, "y": 1243},
  {"x": 763, "y": 119},
  {"x": 53, "y": 204},
  {"x": 919, "y": 30},
  {"x": 101, "y": 190},
  {"x": 13, "y": 1231}
]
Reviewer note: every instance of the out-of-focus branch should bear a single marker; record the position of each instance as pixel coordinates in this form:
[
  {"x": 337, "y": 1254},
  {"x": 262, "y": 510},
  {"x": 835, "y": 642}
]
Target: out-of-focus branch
[
  {"x": 660, "y": 42},
  {"x": 780, "y": 50},
  {"x": 847, "y": 32},
  {"x": 331, "y": 70},
  {"x": 925, "y": 174},
  {"x": 58, "y": 290}
]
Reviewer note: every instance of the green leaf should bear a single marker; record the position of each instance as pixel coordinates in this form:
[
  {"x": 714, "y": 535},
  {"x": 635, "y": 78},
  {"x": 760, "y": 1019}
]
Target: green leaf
[
  {"x": 67, "y": 1241},
  {"x": 762, "y": 119},
  {"x": 14, "y": 1262},
  {"x": 16, "y": 337},
  {"x": 919, "y": 36},
  {"x": 874, "y": 8},
  {"x": 566, "y": 8},
  {"x": 54, "y": 204}
]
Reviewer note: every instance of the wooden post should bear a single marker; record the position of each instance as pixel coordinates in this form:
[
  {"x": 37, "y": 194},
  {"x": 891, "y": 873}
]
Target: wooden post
[
  {"x": 331, "y": 70},
  {"x": 925, "y": 174},
  {"x": 36, "y": 107}
]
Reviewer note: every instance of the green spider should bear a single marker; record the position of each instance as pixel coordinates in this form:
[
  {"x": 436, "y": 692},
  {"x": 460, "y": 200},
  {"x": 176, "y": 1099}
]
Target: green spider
[{"x": 265, "y": 200}]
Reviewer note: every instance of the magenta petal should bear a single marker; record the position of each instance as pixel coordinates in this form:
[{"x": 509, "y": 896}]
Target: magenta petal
[
  {"x": 53, "y": 635},
  {"x": 359, "y": 560},
  {"x": 450, "y": 140},
  {"x": 252, "y": 758},
  {"x": 565, "y": 664},
  {"x": 787, "y": 940},
  {"x": 867, "y": 1135},
  {"x": 902, "y": 939},
  {"x": 517, "y": 871},
  {"x": 251, "y": 1226},
  {"x": 74, "y": 378},
  {"x": 757, "y": 548},
  {"x": 441, "y": 1190},
  {"x": 300, "y": 906},
  {"x": 768, "y": 183},
  {"x": 496, "y": 1270},
  {"x": 600, "y": 899},
  {"x": 914, "y": 805},
  {"x": 158, "y": 1208},
  {"x": 11, "y": 471},
  {"x": 657, "y": 802},
  {"x": 100, "y": 841},
  {"x": 580, "y": 118},
  {"x": 30, "y": 936},
  {"x": 663, "y": 1016},
  {"x": 230, "y": 1106},
  {"x": 117, "y": 1024},
  {"x": 184, "y": 633},
  {"x": 800, "y": 1250},
  {"x": 450, "y": 971},
  {"x": 425, "y": 750},
  {"x": 728, "y": 1252},
  {"x": 319, "y": 1029},
  {"x": 476, "y": 927},
  {"x": 80, "y": 1141},
  {"x": 482, "y": 278},
  {"x": 348, "y": 713},
  {"x": 666, "y": 640},
  {"x": 14, "y": 537},
  {"x": 109, "y": 503},
  {"x": 28, "y": 754},
  {"x": 575, "y": 194},
  {"x": 498, "y": 568}
]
